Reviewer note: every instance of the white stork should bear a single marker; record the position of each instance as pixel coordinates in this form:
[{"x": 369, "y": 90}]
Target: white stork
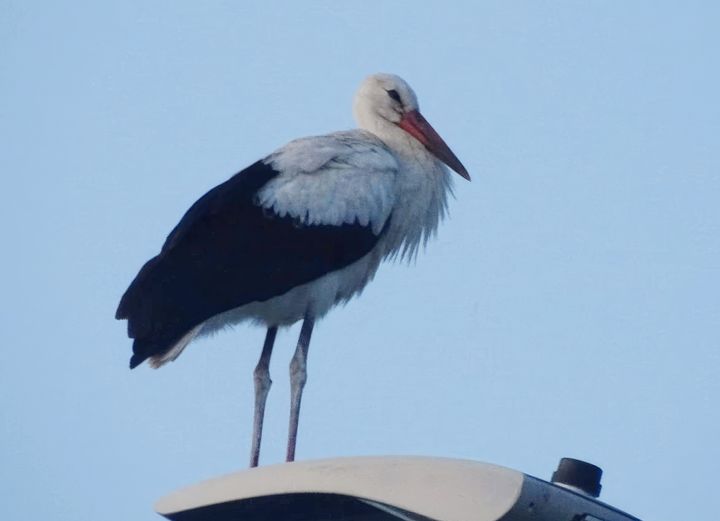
[{"x": 293, "y": 235}]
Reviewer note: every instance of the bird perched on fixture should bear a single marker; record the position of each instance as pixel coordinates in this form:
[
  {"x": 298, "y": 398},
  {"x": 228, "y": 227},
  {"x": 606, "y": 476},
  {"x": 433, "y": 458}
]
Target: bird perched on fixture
[{"x": 293, "y": 235}]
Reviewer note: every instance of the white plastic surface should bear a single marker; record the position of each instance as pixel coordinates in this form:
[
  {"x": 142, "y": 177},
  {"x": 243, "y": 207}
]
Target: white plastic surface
[{"x": 438, "y": 488}]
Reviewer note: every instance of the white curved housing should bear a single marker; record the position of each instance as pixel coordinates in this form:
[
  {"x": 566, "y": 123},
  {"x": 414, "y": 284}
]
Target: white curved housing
[{"x": 383, "y": 488}]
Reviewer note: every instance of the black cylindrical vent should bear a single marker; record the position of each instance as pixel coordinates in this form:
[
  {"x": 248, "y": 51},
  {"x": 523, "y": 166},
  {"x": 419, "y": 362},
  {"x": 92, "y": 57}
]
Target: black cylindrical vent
[{"x": 580, "y": 475}]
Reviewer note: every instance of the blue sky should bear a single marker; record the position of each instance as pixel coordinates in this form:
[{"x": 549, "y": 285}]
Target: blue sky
[{"x": 568, "y": 307}]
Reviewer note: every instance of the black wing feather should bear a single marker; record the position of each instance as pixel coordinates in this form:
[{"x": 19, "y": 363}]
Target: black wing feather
[{"x": 226, "y": 252}]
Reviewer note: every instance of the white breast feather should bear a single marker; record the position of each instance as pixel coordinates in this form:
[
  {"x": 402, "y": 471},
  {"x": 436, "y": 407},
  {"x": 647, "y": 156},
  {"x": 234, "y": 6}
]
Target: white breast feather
[{"x": 340, "y": 178}]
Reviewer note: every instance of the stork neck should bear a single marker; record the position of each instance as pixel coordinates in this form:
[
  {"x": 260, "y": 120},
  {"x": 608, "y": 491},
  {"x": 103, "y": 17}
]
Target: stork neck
[{"x": 422, "y": 186}]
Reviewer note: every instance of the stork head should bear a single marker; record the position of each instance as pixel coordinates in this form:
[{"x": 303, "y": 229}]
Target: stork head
[{"x": 385, "y": 104}]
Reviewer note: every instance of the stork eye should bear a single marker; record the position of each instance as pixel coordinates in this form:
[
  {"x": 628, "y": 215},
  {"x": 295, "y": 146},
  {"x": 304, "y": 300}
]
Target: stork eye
[{"x": 394, "y": 95}]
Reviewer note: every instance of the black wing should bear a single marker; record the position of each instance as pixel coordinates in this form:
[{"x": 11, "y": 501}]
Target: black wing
[{"x": 226, "y": 252}]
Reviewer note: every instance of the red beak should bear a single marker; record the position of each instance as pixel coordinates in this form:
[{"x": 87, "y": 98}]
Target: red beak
[{"x": 418, "y": 127}]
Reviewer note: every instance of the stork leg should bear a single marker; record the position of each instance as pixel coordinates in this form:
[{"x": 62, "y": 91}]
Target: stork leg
[
  {"x": 298, "y": 377},
  {"x": 261, "y": 376}
]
